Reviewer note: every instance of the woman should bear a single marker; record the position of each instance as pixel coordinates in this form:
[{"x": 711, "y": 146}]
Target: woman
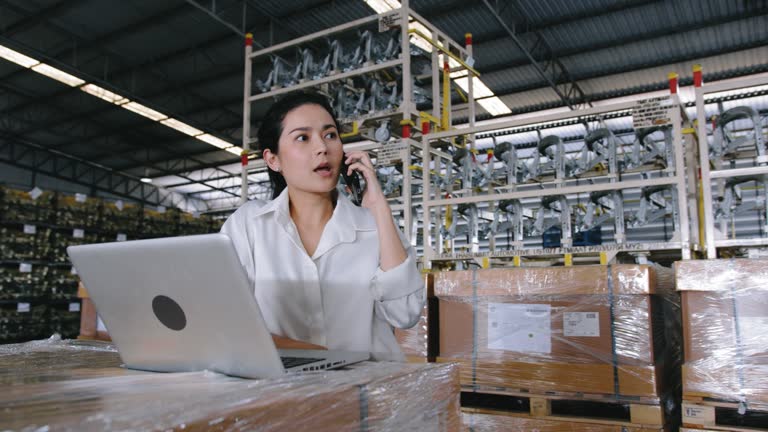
[{"x": 323, "y": 270}]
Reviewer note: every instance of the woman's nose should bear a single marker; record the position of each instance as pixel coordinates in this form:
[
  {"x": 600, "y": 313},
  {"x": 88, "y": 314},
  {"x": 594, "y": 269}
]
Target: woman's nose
[{"x": 321, "y": 146}]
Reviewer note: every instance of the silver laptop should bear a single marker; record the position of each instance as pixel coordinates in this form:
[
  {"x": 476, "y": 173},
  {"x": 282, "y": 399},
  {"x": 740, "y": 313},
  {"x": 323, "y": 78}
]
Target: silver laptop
[{"x": 184, "y": 304}]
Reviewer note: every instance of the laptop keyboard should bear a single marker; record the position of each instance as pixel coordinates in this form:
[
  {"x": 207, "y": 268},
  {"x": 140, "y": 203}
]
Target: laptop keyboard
[{"x": 290, "y": 362}]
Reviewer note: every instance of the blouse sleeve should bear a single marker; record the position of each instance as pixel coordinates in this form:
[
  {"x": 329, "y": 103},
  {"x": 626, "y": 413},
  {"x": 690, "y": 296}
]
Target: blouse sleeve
[
  {"x": 236, "y": 228},
  {"x": 399, "y": 292}
]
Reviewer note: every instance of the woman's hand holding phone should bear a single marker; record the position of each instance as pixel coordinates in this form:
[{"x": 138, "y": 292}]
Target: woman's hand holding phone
[{"x": 359, "y": 162}]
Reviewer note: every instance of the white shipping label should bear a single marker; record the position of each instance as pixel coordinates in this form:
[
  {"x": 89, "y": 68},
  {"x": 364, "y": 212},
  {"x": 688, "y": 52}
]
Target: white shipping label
[
  {"x": 25, "y": 268},
  {"x": 74, "y": 307},
  {"x": 22, "y": 307},
  {"x": 119, "y": 204},
  {"x": 81, "y": 198},
  {"x": 73, "y": 270},
  {"x": 121, "y": 237},
  {"x": 581, "y": 324},
  {"x": 35, "y": 193},
  {"x": 699, "y": 415},
  {"x": 30, "y": 229},
  {"x": 100, "y": 324},
  {"x": 520, "y": 327},
  {"x": 78, "y": 233}
]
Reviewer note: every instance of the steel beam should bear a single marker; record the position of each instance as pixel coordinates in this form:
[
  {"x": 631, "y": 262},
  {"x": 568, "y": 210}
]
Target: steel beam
[
  {"x": 29, "y": 156},
  {"x": 541, "y": 56}
]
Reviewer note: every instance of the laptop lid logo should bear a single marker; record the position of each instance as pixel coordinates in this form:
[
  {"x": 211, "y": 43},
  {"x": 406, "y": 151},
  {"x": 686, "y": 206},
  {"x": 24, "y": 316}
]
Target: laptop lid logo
[{"x": 169, "y": 313}]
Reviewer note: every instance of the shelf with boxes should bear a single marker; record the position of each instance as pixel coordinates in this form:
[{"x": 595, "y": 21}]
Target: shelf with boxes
[{"x": 38, "y": 284}]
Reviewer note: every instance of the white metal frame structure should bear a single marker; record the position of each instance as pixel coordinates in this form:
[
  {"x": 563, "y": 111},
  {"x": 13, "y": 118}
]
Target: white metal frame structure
[
  {"x": 715, "y": 178},
  {"x": 680, "y": 176},
  {"x": 405, "y": 119}
]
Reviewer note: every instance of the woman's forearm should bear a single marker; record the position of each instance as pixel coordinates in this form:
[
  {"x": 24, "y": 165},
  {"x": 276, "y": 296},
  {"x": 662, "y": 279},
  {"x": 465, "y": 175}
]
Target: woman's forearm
[{"x": 391, "y": 249}]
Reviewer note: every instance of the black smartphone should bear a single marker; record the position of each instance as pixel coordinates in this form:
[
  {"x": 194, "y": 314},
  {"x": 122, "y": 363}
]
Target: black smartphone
[{"x": 353, "y": 183}]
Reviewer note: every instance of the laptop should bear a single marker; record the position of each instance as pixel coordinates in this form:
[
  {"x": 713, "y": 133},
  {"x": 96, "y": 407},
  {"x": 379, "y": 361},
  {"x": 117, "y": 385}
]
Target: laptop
[{"x": 184, "y": 304}]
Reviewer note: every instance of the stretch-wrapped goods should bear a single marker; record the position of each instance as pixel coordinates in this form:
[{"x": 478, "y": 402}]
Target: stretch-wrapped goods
[
  {"x": 76, "y": 385},
  {"x": 725, "y": 329},
  {"x": 607, "y": 330}
]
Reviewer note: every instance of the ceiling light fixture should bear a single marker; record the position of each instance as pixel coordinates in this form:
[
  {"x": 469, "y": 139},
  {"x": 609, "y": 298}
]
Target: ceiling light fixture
[{"x": 117, "y": 99}]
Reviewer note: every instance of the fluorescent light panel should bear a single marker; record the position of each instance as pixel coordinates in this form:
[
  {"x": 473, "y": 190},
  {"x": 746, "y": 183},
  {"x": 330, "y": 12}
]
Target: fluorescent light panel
[
  {"x": 123, "y": 102},
  {"x": 479, "y": 89},
  {"x": 214, "y": 141},
  {"x": 17, "y": 57},
  {"x": 494, "y": 106},
  {"x": 58, "y": 75},
  {"x": 381, "y": 6},
  {"x": 104, "y": 94},
  {"x": 181, "y": 127},
  {"x": 145, "y": 111}
]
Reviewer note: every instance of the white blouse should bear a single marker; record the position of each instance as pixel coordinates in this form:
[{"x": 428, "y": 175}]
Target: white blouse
[{"x": 339, "y": 298}]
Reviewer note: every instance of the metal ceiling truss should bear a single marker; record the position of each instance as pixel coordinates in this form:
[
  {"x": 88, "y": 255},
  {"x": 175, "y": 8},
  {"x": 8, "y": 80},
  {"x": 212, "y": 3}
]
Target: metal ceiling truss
[
  {"x": 12, "y": 121},
  {"x": 616, "y": 43},
  {"x": 539, "y": 53},
  {"x": 38, "y": 159},
  {"x": 100, "y": 44}
]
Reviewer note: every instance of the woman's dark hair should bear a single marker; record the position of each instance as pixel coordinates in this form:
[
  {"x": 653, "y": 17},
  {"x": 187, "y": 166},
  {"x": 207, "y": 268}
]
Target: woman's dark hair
[{"x": 272, "y": 127}]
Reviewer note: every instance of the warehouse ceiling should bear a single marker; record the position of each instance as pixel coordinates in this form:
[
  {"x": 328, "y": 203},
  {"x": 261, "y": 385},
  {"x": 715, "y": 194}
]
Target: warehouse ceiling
[{"x": 184, "y": 59}]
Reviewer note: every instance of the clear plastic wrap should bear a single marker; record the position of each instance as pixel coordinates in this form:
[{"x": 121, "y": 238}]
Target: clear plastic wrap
[
  {"x": 73, "y": 385},
  {"x": 611, "y": 332},
  {"x": 725, "y": 329},
  {"x": 419, "y": 343}
]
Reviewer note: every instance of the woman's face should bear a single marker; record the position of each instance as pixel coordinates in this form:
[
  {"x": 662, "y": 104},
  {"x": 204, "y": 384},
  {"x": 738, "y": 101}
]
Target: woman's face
[{"x": 309, "y": 150}]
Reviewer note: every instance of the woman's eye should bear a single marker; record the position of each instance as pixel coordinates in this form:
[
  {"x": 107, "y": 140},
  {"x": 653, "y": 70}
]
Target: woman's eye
[
  {"x": 302, "y": 138},
  {"x": 331, "y": 135}
]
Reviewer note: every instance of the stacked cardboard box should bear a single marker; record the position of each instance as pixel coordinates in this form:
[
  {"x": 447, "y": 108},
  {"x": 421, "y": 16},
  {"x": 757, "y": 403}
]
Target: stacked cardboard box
[
  {"x": 64, "y": 385},
  {"x": 725, "y": 328},
  {"x": 584, "y": 329}
]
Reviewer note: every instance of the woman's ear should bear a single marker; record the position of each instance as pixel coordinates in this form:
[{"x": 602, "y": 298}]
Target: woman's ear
[{"x": 273, "y": 162}]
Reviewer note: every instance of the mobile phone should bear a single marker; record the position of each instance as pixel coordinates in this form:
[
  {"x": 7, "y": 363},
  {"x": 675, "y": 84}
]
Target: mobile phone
[{"x": 353, "y": 183}]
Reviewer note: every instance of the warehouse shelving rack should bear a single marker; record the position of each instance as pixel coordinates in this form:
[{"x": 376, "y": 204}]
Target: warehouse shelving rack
[
  {"x": 714, "y": 173},
  {"x": 680, "y": 176},
  {"x": 38, "y": 284},
  {"x": 448, "y": 61}
]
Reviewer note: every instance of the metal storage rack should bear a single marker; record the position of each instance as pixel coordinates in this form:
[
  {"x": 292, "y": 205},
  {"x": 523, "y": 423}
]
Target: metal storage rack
[
  {"x": 733, "y": 154},
  {"x": 390, "y": 131},
  {"x": 451, "y": 184}
]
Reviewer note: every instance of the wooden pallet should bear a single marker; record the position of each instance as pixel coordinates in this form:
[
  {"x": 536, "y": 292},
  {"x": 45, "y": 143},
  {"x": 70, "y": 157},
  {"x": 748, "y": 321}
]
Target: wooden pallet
[
  {"x": 701, "y": 413},
  {"x": 482, "y": 420},
  {"x": 562, "y": 408}
]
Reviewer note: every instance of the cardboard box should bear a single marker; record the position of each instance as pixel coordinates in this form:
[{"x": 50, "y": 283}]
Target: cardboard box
[
  {"x": 725, "y": 323},
  {"x": 583, "y": 329},
  {"x": 419, "y": 343},
  {"x": 78, "y": 385}
]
